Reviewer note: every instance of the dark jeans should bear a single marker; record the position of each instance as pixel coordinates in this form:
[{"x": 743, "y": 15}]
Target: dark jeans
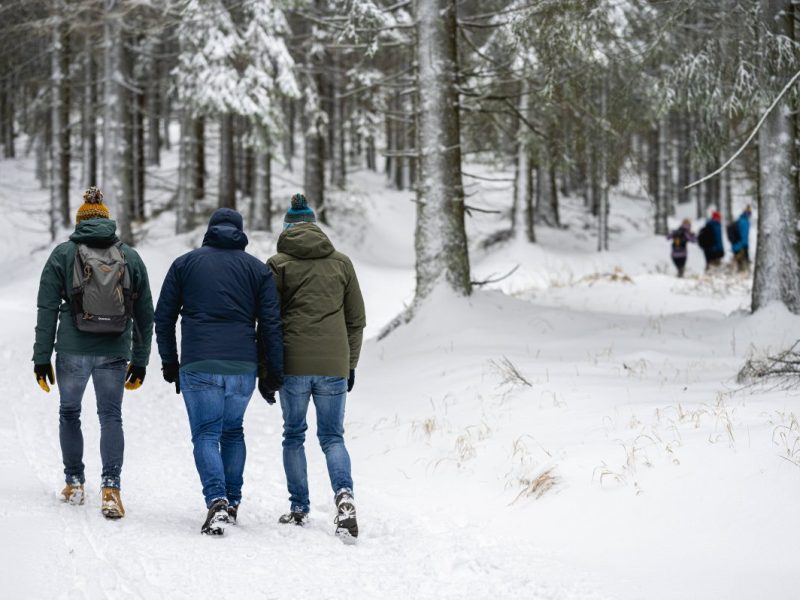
[
  {"x": 216, "y": 406},
  {"x": 680, "y": 264},
  {"x": 329, "y": 395},
  {"x": 108, "y": 377}
]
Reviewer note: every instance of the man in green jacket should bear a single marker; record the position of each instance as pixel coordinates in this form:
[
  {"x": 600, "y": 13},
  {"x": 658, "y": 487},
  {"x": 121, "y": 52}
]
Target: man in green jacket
[
  {"x": 323, "y": 320},
  {"x": 89, "y": 343}
]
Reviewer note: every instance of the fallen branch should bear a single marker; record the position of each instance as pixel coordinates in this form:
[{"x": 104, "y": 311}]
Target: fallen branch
[{"x": 490, "y": 280}]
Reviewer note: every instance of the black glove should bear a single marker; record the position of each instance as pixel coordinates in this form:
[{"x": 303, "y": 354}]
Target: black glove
[
  {"x": 351, "y": 381},
  {"x": 267, "y": 393},
  {"x": 135, "y": 377},
  {"x": 170, "y": 373},
  {"x": 44, "y": 372},
  {"x": 267, "y": 386}
]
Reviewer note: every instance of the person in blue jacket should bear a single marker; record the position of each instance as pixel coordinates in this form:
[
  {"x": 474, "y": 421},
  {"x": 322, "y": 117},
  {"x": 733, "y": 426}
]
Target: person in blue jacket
[
  {"x": 740, "y": 246},
  {"x": 710, "y": 240},
  {"x": 220, "y": 292}
]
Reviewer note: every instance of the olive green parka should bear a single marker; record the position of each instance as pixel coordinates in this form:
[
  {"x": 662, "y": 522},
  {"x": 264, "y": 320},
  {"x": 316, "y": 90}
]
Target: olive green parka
[{"x": 321, "y": 304}]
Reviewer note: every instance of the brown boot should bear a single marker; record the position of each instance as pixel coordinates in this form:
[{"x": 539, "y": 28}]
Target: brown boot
[
  {"x": 72, "y": 493},
  {"x": 112, "y": 504}
]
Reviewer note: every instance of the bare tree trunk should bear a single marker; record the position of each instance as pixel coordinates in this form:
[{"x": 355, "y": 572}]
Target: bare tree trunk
[
  {"x": 129, "y": 174},
  {"x": 115, "y": 99},
  {"x": 7, "y": 117},
  {"x": 603, "y": 208},
  {"x": 227, "y": 165},
  {"x": 728, "y": 199},
  {"x": 546, "y": 192},
  {"x": 530, "y": 199},
  {"x": 199, "y": 154},
  {"x": 314, "y": 172},
  {"x": 777, "y": 268},
  {"x": 288, "y": 139},
  {"x": 663, "y": 198},
  {"x": 441, "y": 242},
  {"x": 369, "y": 149},
  {"x": 262, "y": 194},
  {"x": 683, "y": 158},
  {"x": 186, "y": 174},
  {"x": 153, "y": 121},
  {"x": 90, "y": 119},
  {"x": 522, "y": 163},
  {"x": 138, "y": 150},
  {"x": 60, "y": 180},
  {"x": 338, "y": 162}
]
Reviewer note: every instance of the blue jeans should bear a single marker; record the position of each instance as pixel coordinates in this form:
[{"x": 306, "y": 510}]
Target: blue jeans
[
  {"x": 329, "y": 395},
  {"x": 216, "y": 405},
  {"x": 108, "y": 377}
]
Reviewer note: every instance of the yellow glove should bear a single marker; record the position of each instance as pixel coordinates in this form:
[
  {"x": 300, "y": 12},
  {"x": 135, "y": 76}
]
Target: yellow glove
[
  {"x": 43, "y": 373},
  {"x": 135, "y": 377}
]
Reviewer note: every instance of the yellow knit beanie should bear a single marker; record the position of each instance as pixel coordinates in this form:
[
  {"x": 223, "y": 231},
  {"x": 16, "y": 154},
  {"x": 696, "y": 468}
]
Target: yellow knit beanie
[{"x": 92, "y": 207}]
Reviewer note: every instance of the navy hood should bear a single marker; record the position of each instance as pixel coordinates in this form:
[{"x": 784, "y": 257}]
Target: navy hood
[{"x": 225, "y": 230}]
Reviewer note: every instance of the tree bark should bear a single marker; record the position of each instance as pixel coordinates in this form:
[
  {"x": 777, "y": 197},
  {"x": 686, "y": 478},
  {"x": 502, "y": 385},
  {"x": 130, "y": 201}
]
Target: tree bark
[
  {"x": 546, "y": 189},
  {"x": 60, "y": 179},
  {"x": 262, "y": 194},
  {"x": 187, "y": 177},
  {"x": 153, "y": 120},
  {"x": 90, "y": 119},
  {"x": 684, "y": 170},
  {"x": 337, "y": 122},
  {"x": 115, "y": 99},
  {"x": 199, "y": 155},
  {"x": 522, "y": 162},
  {"x": 777, "y": 265},
  {"x": 227, "y": 165},
  {"x": 662, "y": 198},
  {"x": 441, "y": 243},
  {"x": 137, "y": 122},
  {"x": 603, "y": 208}
]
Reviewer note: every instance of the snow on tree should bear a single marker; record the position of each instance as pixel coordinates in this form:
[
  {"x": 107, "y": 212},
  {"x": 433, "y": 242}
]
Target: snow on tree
[
  {"x": 225, "y": 69},
  {"x": 441, "y": 243},
  {"x": 777, "y": 265}
]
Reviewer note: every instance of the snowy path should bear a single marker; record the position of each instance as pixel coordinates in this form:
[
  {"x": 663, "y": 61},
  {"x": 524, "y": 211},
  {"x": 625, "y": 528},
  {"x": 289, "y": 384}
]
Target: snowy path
[
  {"x": 156, "y": 551},
  {"x": 669, "y": 485}
]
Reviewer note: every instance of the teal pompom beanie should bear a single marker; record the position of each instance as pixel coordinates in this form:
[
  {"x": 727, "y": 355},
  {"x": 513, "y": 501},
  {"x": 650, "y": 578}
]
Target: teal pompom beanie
[{"x": 299, "y": 212}]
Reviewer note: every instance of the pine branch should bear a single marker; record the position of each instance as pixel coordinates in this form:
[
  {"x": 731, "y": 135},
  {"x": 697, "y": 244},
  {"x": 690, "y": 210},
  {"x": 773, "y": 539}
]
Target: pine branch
[{"x": 752, "y": 133}]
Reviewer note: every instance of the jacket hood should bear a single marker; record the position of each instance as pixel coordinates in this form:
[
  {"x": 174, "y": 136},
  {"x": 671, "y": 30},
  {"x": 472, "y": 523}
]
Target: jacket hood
[
  {"x": 225, "y": 230},
  {"x": 95, "y": 232},
  {"x": 305, "y": 240}
]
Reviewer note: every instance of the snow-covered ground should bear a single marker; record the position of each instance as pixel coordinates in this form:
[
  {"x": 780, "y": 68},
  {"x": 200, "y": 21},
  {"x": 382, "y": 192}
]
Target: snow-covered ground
[{"x": 599, "y": 380}]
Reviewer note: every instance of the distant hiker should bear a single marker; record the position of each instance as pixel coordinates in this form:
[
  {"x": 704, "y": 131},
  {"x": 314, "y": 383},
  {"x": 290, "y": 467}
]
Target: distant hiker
[
  {"x": 739, "y": 236},
  {"x": 220, "y": 291},
  {"x": 709, "y": 239},
  {"x": 323, "y": 316},
  {"x": 95, "y": 289},
  {"x": 680, "y": 238}
]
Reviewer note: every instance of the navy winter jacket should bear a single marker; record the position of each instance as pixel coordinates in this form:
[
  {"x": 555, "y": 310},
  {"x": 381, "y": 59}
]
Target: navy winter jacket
[{"x": 220, "y": 291}]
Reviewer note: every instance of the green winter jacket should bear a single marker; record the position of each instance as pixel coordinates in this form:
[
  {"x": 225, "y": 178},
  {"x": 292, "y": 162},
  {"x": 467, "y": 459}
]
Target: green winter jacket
[
  {"x": 321, "y": 304},
  {"x": 54, "y": 307}
]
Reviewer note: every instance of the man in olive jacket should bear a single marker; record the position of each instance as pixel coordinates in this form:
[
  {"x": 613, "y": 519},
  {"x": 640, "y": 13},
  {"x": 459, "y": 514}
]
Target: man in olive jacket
[
  {"x": 81, "y": 354},
  {"x": 323, "y": 320}
]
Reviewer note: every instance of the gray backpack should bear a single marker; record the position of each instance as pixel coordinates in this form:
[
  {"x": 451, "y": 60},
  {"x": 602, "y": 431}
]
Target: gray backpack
[{"x": 101, "y": 298}]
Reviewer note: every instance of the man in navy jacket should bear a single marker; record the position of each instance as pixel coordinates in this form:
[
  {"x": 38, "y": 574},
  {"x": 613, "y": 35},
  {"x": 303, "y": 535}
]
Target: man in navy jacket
[{"x": 220, "y": 292}]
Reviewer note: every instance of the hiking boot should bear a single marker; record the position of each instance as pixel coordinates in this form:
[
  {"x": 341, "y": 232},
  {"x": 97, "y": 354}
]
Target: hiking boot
[
  {"x": 346, "y": 525},
  {"x": 111, "y": 506},
  {"x": 233, "y": 510},
  {"x": 217, "y": 518},
  {"x": 72, "y": 494},
  {"x": 294, "y": 518}
]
